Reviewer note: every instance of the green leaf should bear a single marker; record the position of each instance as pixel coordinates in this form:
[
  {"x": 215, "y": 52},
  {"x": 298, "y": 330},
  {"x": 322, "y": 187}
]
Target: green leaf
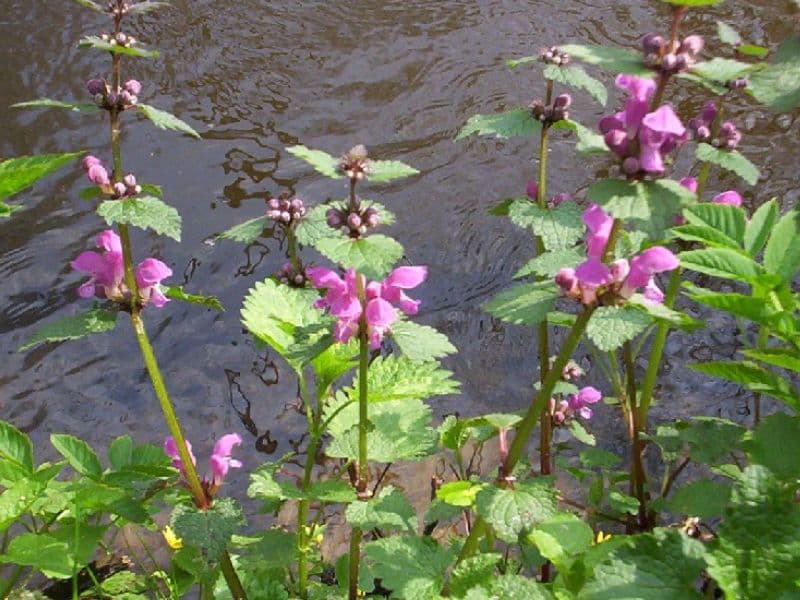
[
  {"x": 93, "y": 41},
  {"x": 760, "y": 226},
  {"x": 18, "y": 173},
  {"x": 662, "y": 565},
  {"x": 524, "y": 304},
  {"x": 722, "y": 262},
  {"x": 561, "y": 539},
  {"x": 392, "y": 378},
  {"x": 177, "y": 293},
  {"x": 730, "y": 160},
  {"x": 164, "y": 120},
  {"x": 550, "y": 263},
  {"x": 334, "y": 362},
  {"x": 91, "y": 5},
  {"x": 89, "y": 107},
  {"x": 579, "y": 432},
  {"x": 208, "y": 530},
  {"x": 723, "y": 69},
  {"x": 740, "y": 305},
  {"x": 782, "y": 254},
  {"x": 512, "y": 511},
  {"x": 6, "y": 210},
  {"x": 729, "y": 220},
  {"x": 79, "y": 454},
  {"x": 372, "y": 256},
  {"x": 440, "y": 512},
  {"x": 144, "y": 212},
  {"x": 752, "y": 377},
  {"x": 778, "y": 86},
  {"x": 247, "y": 232},
  {"x": 514, "y": 123},
  {"x": 664, "y": 313},
  {"x": 616, "y": 60},
  {"x": 609, "y": 326},
  {"x": 560, "y": 227},
  {"x": 693, "y": 2},
  {"x": 120, "y": 453},
  {"x": 727, "y": 34},
  {"x": 420, "y": 343},
  {"x": 589, "y": 141},
  {"x": 321, "y": 161},
  {"x": 711, "y": 439},
  {"x": 146, "y": 6},
  {"x": 43, "y": 552},
  {"x": 780, "y": 357},
  {"x": 412, "y": 568},
  {"x": 707, "y": 235},
  {"x": 752, "y": 50},
  {"x": 703, "y": 498},
  {"x": 776, "y": 445},
  {"x": 389, "y": 170},
  {"x": 473, "y": 571},
  {"x": 460, "y": 493},
  {"x": 713, "y": 87},
  {"x": 623, "y": 503},
  {"x": 575, "y": 76},
  {"x": 596, "y": 457},
  {"x": 390, "y": 510},
  {"x": 516, "y": 587},
  {"x": 16, "y": 446},
  {"x": 72, "y": 328}
]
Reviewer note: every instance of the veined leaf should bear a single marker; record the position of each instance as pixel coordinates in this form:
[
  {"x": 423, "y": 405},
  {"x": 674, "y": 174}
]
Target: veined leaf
[
  {"x": 15, "y": 446},
  {"x": 752, "y": 50},
  {"x": 730, "y": 160},
  {"x": 401, "y": 378},
  {"x": 663, "y": 313},
  {"x": 208, "y": 530},
  {"x": 760, "y": 227},
  {"x": 776, "y": 444},
  {"x": 560, "y": 227},
  {"x": 164, "y": 120},
  {"x": 177, "y": 293},
  {"x": 779, "y": 357},
  {"x": 79, "y": 455},
  {"x": 550, "y": 263},
  {"x": 144, "y": 212},
  {"x": 729, "y": 220},
  {"x": 420, "y": 342},
  {"x": 778, "y": 86},
  {"x": 723, "y": 69},
  {"x": 321, "y": 161},
  {"x": 517, "y": 122},
  {"x": 749, "y": 307},
  {"x": 18, "y": 173},
  {"x": 702, "y": 498},
  {"x": 524, "y": 304},
  {"x": 72, "y": 328},
  {"x": 609, "y": 326},
  {"x": 48, "y": 103},
  {"x": 752, "y": 377},
  {"x": 245, "y": 233},
  {"x": 390, "y": 510},
  {"x": 93, "y": 41},
  {"x": 476, "y": 572},
  {"x": 314, "y": 226},
  {"x": 722, "y": 262},
  {"x": 389, "y": 170},
  {"x": 459, "y": 493},
  {"x": 372, "y": 256},
  {"x": 575, "y": 76},
  {"x": 512, "y": 511},
  {"x": 589, "y": 141},
  {"x": 43, "y": 552},
  {"x": 617, "y": 60},
  {"x": 782, "y": 254},
  {"x": 707, "y": 235}
]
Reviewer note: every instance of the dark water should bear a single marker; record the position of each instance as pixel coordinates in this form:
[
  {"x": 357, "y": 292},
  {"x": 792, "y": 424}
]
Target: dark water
[{"x": 255, "y": 76}]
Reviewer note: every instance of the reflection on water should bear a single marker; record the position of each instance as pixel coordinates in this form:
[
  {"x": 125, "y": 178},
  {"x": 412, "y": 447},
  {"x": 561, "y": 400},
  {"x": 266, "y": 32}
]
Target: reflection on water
[{"x": 254, "y": 76}]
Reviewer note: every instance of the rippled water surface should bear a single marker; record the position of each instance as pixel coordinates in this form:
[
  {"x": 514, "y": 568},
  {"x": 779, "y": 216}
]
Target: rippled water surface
[{"x": 256, "y": 76}]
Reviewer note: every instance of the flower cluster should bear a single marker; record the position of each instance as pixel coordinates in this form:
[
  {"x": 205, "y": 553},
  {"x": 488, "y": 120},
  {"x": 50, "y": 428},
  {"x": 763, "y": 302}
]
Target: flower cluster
[
  {"x": 121, "y": 99},
  {"x": 640, "y": 138},
  {"x": 551, "y": 114},
  {"x": 380, "y": 298},
  {"x": 120, "y": 39},
  {"x": 354, "y": 163},
  {"x": 593, "y": 280},
  {"x": 288, "y": 275},
  {"x": 728, "y": 137},
  {"x": 532, "y": 191},
  {"x": 353, "y": 222},
  {"x": 564, "y": 411},
  {"x": 107, "y": 271},
  {"x": 285, "y": 211},
  {"x": 671, "y": 57},
  {"x": 220, "y": 462},
  {"x": 553, "y": 56},
  {"x": 117, "y": 8},
  {"x": 98, "y": 175}
]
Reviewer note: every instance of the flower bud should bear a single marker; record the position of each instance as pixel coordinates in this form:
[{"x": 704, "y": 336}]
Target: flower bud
[
  {"x": 274, "y": 204},
  {"x": 737, "y": 84},
  {"x": 90, "y": 161},
  {"x": 372, "y": 219},
  {"x": 121, "y": 38},
  {"x": 275, "y": 215},
  {"x": 299, "y": 279},
  {"x": 727, "y": 128},
  {"x": 692, "y": 45},
  {"x": 286, "y": 217},
  {"x": 98, "y": 175},
  {"x": 133, "y": 87},
  {"x": 709, "y": 112},
  {"x": 296, "y": 205},
  {"x": 333, "y": 218},
  {"x": 353, "y": 221},
  {"x": 682, "y": 62},
  {"x": 668, "y": 62},
  {"x": 125, "y": 98},
  {"x": 566, "y": 280},
  {"x": 129, "y": 180},
  {"x": 120, "y": 189},
  {"x": 96, "y": 86},
  {"x": 617, "y": 141},
  {"x": 563, "y": 101},
  {"x": 703, "y": 133},
  {"x": 112, "y": 98},
  {"x": 652, "y": 43},
  {"x": 532, "y": 189},
  {"x": 731, "y": 198},
  {"x": 100, "y": 100},
  {"x": 630, "y": 166}
]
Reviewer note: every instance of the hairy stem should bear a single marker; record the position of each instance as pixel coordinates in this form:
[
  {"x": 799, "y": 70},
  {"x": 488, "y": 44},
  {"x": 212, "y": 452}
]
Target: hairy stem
[{"x": 305, "y": 504}]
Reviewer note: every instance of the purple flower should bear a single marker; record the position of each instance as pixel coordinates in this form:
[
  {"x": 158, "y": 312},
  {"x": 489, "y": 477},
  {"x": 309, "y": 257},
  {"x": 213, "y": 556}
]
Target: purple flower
[
  {"x": 403, "y": 278},
  {"x": 591, "y": 274},
  {"x": 133, "y": 87},
  {"x": 731, "y": 198},
  {"x": 171, "y": 450},
  {"x": 690, "y": 183},
  {"x": 106, "y": 269},
  {"x": 642, "y": 268},
  {"x": 221, "y": 460},
  {"x": 149, "y": 274},
  {"x": 600, "y": 225},
  {"x": 579, "y": 403},
  {"x": 532, "y": 189}
]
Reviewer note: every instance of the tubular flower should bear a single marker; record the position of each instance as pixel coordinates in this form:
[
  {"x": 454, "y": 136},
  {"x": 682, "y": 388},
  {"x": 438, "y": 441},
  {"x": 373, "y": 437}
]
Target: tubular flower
[
  {"x": 341, "y": 299},
  {"x": 575, "y": 405},
  {"x": 220, "y": 462},
  {"x": 149, "y": 274},
  {"x": 731, "y": 198}
]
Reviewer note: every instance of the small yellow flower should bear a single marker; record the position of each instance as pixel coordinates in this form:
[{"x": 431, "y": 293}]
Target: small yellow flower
[
  {"x": 601, "y": 537},
  {"x": 173, "y": 541}
]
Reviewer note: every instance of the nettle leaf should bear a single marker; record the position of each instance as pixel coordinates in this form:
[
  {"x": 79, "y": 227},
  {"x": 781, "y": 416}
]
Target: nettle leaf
[
  {"x": 562, "y": 538},
  {"x": 663, "y": 313},
  {"x": 524, "y": 304},
  {"x": 753, "y": 377},
  {"x": 550, "y": 263},
  {"x": 703, "y": 498},
  {"x": 392, "y": 378},
  {"x": 284, "y": 318},
  {"x": 782, "y": 254},
  {"x": 515, "y": 586},
  {"x": 560, "y": 227},
  {"x": 96, "y": 320},
  {"x": 79, "y": 455},
  {"x": 778, "y": 86},
  {"x": 729, "y": 220},
  {"x": 390, "y": 510},
  {"x": 610, "y": 326},
  {"x": 15, "y": 446},
  {"x": 144, "y": 212},
  {"x": 89, "y": 107},
  {"x": 146, "y": 6},
  {"x": 730, "y": 160},
  {"x": 722, "y": 262},
  {"x": 512, "y": 511},
  {"x": 164, "y": 120},
  {"x": 707, "y": 235},
  {"x": 420, "y": 343},
  {"x": 247, "y": 232},
  {"x": 372, "y": 256},
  {"x": 208, "y": 530},
  {"x": 662, "y": 565},
  {"x": 412, "y": 568},
  {"x": 389, "y": 170},
  {"x": 93, "y": 41},
  {"x": 727, "y": 34},
  {"x": 776, "y": 445},
  {"x": 760, "y": 227},
  {"x": 723, "y": 69},
  {"x": 589, "y": 141},
  {"x": 575, "y": 76},
  {"x": 757, "y": 551},
  {"x": 780, "y": 357},
  {"x": 334, "y": 362},
  {"x": 321, "y": 161},
  {"x": 459, "y": 493},
  {"x": 177, "y": 293},
  {"x": 314, "y": 226},
  {"x": 616, "y": 60},
  {"x": 514, "y": 123},
  {"x": 18, "y": 173},
  {"x": 43, "y": 552},
  {"x": 473, "y": 571}
]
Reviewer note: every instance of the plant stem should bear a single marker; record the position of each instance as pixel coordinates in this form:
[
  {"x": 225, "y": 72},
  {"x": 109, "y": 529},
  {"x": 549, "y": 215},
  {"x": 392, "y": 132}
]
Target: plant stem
[
  {"x": 291, "y": 243},
  {"x": 231, "y": 578},
  {"x": 305, "y": 504},
  {"x": 355, "y": 547},
  {"x": 638, "y": 473}
]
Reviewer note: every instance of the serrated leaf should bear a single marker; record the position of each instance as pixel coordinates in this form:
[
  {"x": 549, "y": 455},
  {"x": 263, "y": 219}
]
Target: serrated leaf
[
  {"x": 389, "y": 170},
  {"x": 753, "y": 377},
  {"x": 72, "y": 328},
  {"x": 93, "y": 41},
  {"x": 730, "y": 160},
  {"x": 729, "y": 220},
  {"x": 247, "y": 232},
  {"x": 760, "y": 227},
  {"x": 79, "y": 455},
  {"x": 596, "y": 457},
  {"x": 579, "y": 432},
  {"x": 43, "y": 552},
  {"x": 723, "y": 69},
  {"x": 459, "y": 493},
  {"x": 164, "y": 120},
  {"x": 514, "y": 123},
  {"x": 722, "y": 262},
  {"x": 15, "y": 446},
  {"x": 703, "y": 498},
  {"x": 515, "y": 586},
  {"x": 18, "y": 173},
  {"x": 392, "y": 378},
  {"x": 709, "y": 236},
  {"x": 473, "y": 571},
  {"x": 372, "y": 256},
  {"x": 550, "y": 263},
  {"x": 177, "y": 293},
  {"x": 561, "y": 539},
  {"x": 727, "y": 34},
  {"x": 575, "y": 76},
  {"x": 609, "y": 326},
  {"x": 524, "y": 304},
  {"x": 420, "y": 343},
  {"x": 50, "y": 103},
  {"x": 779, "y": 357},
  {"x": 560, "y": 227},
  {"x": 321, "y": 161},
  {"x": 782, "y": 254},
  {"x": 778, "y": 86},
  {"x": 208, "y": 530},
  {"x": 512, "y": 511},
  {"x": 748, "y": 307},
  {"x": 589, "y": 141},
  {"x": 776, "y": 444},
  {"x": 120, "y": 452},
  {"x": 146, "y": 6},
  {"x": 390, "y": 510},
  {"x": 664, "y": 313},
  {"x": 334, "y": 362},
  {"x": 616, "y": 60},
  {"x": 144, "y": 212}
]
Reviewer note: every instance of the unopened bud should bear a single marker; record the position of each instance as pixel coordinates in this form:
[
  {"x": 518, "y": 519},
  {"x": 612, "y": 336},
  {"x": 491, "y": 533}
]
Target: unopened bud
[
  {"x": 652, "y": 43},
  {"x": 372, "y": 220},
  {"x": 668, "y": 62},
  {"x": 333, "y": 218},
  {"x": 630, "y": 166},
  {"x": 353, "y": 221},
  {"x": 121, "y": 38},
  {"x": 133, "y": 87},
  {"x": 563, "y": 101},
  {"x": 566, "y": 280},
  {"x": 129, "y": 180},
  {"x": 617, "y": 141},
  {"x": 559, "y": 199},
  {"x": 693, "y": 45},
  {"x": 703, "y": 133},
  {"x": 274, "y": 204},
  {"x": 90, "y": 161},
  {"x": 96, "y": 86},
  {"x": 286, "y": 217},
  {"x": 120, "y": 189},
  {"x": 682, "y": 62},
  {"x": 296, "y": 204},
  {"x": 125, "y": 98}
]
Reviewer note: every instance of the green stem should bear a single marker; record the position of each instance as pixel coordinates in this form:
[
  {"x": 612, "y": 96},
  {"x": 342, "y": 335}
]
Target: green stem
[
  {"x": 305, "y": 504},
  {"x": 763, "y": 337},
  {"x": 355, "y": 547},
  {"x": 638, "y": 476},
  {"x": 9, "y": 583},
  {"x": 231, "y": 578},
  {"x": 291, "y": 242}
]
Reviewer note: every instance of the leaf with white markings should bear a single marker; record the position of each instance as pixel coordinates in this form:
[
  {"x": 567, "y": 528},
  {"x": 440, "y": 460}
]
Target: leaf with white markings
[{"x": 610, "y": 326}]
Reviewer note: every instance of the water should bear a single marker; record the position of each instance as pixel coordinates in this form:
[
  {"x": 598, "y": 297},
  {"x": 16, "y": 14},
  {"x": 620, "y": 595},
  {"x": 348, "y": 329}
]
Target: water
[{"x": 256, "y": 76}]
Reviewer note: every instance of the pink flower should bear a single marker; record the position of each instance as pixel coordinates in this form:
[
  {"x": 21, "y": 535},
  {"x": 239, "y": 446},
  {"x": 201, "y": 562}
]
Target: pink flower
[
  {"x": 579, "y": 402},
  {"x": 220, "y": 461},
  {"x": 731, "y": 198},
  {"x": 106, "y": 269},
  {"x": 599, "y": 224},
  {"x": 95, "y": 171},
  {"x": 690, "y": 183},
  {"x": 171, "y": 450},
  {"x": 149, "y": 274},
  {"x": 642, "y": 268}
]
